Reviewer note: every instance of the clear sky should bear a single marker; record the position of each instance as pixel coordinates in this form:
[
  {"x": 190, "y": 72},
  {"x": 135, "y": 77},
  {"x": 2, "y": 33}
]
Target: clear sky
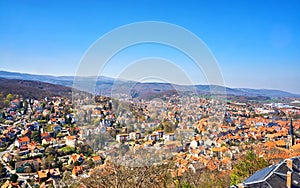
[{"x": 256, "y": 43}]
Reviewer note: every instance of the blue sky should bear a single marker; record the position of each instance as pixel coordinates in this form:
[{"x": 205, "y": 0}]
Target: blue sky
[{"x": 256, "y": 43}]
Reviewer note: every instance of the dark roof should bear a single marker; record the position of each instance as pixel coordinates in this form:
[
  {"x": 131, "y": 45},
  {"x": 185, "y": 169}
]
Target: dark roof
[
  {"x": 275, "y": 175},
  {"x": 291, "y": 129},
  {"x": 271, "y": 124},
  {"x": 260, "y": 175}
]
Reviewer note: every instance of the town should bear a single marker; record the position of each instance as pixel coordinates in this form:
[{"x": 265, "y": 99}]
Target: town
[{"x": 52, "y": 142}]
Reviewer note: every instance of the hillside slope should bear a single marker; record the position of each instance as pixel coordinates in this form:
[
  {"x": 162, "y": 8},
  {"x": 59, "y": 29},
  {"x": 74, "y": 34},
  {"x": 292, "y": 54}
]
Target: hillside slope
[{"x": 32, "y": 89}]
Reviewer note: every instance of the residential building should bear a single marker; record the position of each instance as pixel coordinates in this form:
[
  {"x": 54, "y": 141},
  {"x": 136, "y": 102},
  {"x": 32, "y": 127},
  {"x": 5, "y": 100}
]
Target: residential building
[
  {"x": 71, "y": 140},
  {"x": 22, "y": 141},
  {"x": 122, "y": 137},
  {"x": 283, "y": 174}
]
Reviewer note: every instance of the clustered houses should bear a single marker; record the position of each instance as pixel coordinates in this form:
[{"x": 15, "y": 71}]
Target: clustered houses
[
  {"x": 52, "y": 139},
  {"x": 208, "y": 143},
  {"x": 40, "y": 138},
  {"x": 245, "y": 126}
]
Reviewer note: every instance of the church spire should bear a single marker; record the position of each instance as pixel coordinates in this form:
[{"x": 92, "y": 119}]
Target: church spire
[
  {"x": 291, "y": 137},
  {"x": 291, "y": 129}
]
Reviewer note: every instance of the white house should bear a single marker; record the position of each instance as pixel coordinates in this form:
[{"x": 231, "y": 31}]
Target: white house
[
  {"x": 194, "y": 144},
  {"x": 48, "y": 140},
  {"x": 153, "y": 137},
  {"x": 135, "y": 136},
  {"x": 170, "y": 137},
  {"x": 7, "y": 157},
  {"x": 71, "y": 141},
  {"x": 22, "y": 141},
  {"x": 160, "y": 133},
  {"x": 122, "y": 137}
]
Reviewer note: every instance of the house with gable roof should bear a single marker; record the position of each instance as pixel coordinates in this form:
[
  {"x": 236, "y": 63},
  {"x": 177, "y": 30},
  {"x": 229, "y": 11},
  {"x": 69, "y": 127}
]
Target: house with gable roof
[
  {"x": 22, "y": 141},
  {"x": 283, "y": 174}
]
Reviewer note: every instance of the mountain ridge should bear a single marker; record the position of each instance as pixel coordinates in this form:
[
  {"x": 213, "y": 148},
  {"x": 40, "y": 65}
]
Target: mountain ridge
[{"x": 106, "y": 84}]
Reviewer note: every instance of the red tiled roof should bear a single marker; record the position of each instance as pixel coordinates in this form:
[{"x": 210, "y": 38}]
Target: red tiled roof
[
  {"x": 45, "y": 134},
  {"x": 24, "y": 139},
  {"x": 70, "y": 137},
  {"x": 96, "y": 158},
  {"x": 77, "y": 169}
]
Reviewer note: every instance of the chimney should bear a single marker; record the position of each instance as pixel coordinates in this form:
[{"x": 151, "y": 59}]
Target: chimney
[
  {"x": 289, "y": 164},
  {"x": 289, "y": 179}
]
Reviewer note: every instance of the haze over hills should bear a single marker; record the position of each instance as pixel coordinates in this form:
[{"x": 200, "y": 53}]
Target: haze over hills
[{"x": 105, "y": 85}]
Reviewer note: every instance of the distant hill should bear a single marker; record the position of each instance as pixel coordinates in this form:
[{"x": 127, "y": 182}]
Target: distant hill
[
  {"x": 104, "y": 85},
  {"x": 32, "y": 89},
  {"x": 60, "y": 80}
]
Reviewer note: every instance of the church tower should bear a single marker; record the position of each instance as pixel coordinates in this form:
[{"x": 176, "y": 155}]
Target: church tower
[{"x": 291, "y": 136}]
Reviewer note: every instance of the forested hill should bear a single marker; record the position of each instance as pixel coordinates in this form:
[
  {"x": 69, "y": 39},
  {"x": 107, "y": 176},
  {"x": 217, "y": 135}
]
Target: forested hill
[{"x": 32, "y": 89}]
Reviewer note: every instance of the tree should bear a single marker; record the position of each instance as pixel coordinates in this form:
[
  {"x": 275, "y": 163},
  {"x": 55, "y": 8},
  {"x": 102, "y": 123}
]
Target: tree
[
  {"x": 6, "y": 102},
  {"x": 10, "y": 97},
  {"x": 14, "y": 178},
  {"x": 123, "y": 149},
  {"x": 247, "y": 166},
  {"x": 68, "y": 181},
  {"x": 50, "y": 151},
  {"x": 112, "y": 133},
  {"x": 2, "y": 173},
  {"x": 12, "y": 163},
  {"x": 77, "y": 163},
  {"x": 88, "y": 163},
  {"x": 84, "y": 148},
  {"x": 36, "y": 136},
  {"x": 114, "y": 175},
  {"x": 48, "y": 162},
  {"x": 202, "y": 178}
]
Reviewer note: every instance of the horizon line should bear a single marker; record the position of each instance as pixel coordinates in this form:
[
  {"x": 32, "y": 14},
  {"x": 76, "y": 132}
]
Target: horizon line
[{"x": 227, "y": 86}]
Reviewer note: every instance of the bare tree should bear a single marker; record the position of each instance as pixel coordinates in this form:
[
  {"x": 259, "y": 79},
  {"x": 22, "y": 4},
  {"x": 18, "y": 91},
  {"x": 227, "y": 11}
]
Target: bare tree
[{"x": 115, "y": 176}]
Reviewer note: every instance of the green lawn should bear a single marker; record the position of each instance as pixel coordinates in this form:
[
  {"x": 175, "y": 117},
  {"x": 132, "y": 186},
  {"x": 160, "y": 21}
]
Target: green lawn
[{"x": 67, "y": 149}]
